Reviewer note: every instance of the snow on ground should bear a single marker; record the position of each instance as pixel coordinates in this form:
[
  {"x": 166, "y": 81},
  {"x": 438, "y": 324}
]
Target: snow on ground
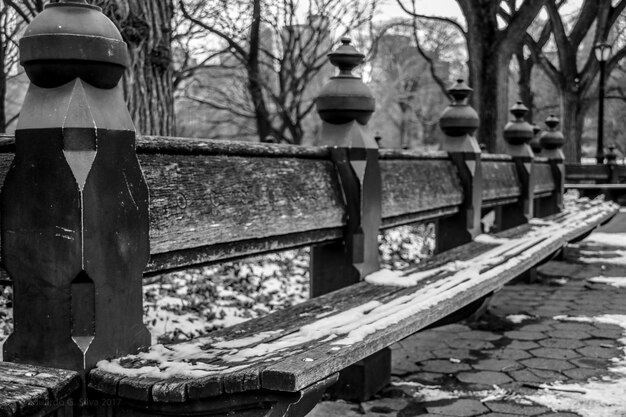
[
  {"x": 518, "y": 318},
  {"x": 618, "y": 282}
]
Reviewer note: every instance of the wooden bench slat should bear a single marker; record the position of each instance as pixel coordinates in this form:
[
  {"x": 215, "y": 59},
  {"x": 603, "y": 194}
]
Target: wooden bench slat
[
  {"x": 59, "y": 382},
  {"x": 291, "y": 369},
  {"x": 500, "y": 181},
  {"x": 26, "y": 389}
]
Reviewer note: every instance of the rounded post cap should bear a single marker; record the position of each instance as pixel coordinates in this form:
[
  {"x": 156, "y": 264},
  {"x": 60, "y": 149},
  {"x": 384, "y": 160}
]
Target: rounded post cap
[
  {"x": 459, "y": 118},
  {"x": 518, "y": 131},
  {"x": 345, "y": 97},
  {"x": 73, "y": 39},
  {"x": 552, "y": 138}
]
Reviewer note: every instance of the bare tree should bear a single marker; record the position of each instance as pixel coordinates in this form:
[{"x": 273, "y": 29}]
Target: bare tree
[
  {"x": 571, "y": 72},
  {"x": 490, "y": 47},
  {"x": 146, "y": 26},
  {"x": 10, "y": 25},
  {"x": 273, "y": 58}
]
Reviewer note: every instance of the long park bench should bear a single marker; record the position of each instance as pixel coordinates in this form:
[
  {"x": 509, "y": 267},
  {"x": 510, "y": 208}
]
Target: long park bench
[
  {"x": 86, "y": 214},
  {"x": 592, "y": 180}
]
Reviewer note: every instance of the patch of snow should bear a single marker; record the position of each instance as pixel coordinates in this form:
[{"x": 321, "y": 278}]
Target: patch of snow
[
  {"x": 245, "y": 341},
  {"x": 490, "y": 239},
  {"x": 518, "y": 318},
  {"x": 617, "y": 257},
  {"x": 488, "y": 221},
  {"x": 619, "y": 282},
  {"x": 610, "y": 239}
]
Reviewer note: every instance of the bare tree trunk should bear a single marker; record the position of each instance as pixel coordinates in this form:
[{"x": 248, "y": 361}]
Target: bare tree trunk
[
  {"x": 525, "y": 77},
  {"x": 572, "y": 123},
  {"x": 491, "y": 99},
  {"x": 146, "y": 27},
  {"x": 255, "y": 87}
]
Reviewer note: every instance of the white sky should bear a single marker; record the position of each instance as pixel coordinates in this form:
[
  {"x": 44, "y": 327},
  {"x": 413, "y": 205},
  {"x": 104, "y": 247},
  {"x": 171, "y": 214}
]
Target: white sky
[{"x": 448, "y": 8}]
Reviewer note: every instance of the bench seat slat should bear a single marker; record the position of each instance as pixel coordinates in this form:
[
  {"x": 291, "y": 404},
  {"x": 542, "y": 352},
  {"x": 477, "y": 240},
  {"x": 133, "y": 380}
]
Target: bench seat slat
[
  {"x": 303, "y": 360},
  {"x": 26, "y": 389}
]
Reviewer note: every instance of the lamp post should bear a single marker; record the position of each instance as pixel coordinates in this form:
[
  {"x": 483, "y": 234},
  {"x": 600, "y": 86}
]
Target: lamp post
[{"x": 603, "y": 53}]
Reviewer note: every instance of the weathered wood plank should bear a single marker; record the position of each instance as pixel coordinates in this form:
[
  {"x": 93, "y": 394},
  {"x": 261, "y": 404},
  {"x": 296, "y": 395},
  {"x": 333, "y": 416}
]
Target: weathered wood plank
[
  {"x": 584, "y": 172},
  {"x": 198, "y": 200},
  {"x": 27, "y": 390},
  {"x": 19, "y": 399},
  {"x": 412, "y": 186},
  {"x": 500, "y": 180},
  {"x": 60, "y": 383}
]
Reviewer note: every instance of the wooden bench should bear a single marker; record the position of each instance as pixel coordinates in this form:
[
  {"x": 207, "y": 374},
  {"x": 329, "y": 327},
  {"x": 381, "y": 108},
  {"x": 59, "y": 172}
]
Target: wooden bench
[
  {"x": 305, "y": 346},
  {"x": 86, "y": 215},
  {"x": 592, "y": 180}
]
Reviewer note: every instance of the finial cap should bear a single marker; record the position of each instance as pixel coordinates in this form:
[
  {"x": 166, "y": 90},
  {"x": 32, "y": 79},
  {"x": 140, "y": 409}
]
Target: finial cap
[
  {"x": 518, "y": 131},
  {"x": 345, "y": 97},
  {"x": 459, "y": 118},
  {"x": 552, "y": 138},
  {"x": 72, "y": 39}
]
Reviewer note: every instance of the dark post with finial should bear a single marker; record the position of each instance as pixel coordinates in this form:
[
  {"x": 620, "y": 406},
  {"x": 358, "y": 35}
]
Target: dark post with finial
[
  {"x": 74, "y": 202},
  {"x": 552, "y": 140},
  {"x": 459, "y": 122},
  {"x": 517, "y": 135},
  {"x": 611, "y": 164},
  {"x": 345, "y": 105}
]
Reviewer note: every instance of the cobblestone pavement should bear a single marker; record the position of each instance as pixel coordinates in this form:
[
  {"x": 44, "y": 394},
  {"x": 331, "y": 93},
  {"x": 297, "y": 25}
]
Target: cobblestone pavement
[{"x": 491, "y": 367}]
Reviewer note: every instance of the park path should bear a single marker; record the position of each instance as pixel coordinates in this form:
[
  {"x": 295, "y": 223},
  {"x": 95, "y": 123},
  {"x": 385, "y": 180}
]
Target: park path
[{"x": 555, "y": 347}]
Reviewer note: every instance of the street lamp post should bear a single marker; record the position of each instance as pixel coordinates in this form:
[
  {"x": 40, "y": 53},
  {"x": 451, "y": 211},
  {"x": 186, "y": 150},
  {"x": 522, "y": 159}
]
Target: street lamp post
[{"x": 603, "y": 53}]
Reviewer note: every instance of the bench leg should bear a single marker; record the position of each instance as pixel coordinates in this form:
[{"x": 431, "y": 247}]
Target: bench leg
[{"x": 361, "y": 381}]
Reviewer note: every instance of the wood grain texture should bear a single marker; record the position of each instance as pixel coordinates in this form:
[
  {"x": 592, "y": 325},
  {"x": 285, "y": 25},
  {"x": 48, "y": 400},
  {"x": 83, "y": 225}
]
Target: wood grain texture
[
  {"x": 200, "y": 200},
  {"x": 412, "y": 186},
  {"x": 29, "y": 389},
  {"x": 583, "y": 172},
  {"x": 312, "y": 360},
  {"x": 500, "y": 180}
]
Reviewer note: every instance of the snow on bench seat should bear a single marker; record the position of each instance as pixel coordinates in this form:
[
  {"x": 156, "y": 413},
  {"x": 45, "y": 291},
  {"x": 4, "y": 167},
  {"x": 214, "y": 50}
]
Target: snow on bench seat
[
  {"x": 27, "y": 390},
  {"x": 292, "y": 349}
]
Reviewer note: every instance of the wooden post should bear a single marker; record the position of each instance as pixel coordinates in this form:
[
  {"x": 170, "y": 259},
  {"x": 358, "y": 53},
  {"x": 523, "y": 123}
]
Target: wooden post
[
  {"x": 74, "y": 203},
  {"x": 345, "y": 105},
  {"x": 552, "y": 141},
  {"x": 517, "y": 135},
  {"x": 611, "y": 162},
  {"x": 459, "y": 122}
]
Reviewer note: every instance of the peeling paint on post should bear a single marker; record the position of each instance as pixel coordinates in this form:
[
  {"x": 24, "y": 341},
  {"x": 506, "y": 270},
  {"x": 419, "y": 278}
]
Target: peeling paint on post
[{"x": 74, "y": 203}]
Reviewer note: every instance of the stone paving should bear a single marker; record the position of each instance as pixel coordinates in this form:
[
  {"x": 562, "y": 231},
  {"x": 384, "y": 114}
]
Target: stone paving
[{"x": 483, "y": 368}]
